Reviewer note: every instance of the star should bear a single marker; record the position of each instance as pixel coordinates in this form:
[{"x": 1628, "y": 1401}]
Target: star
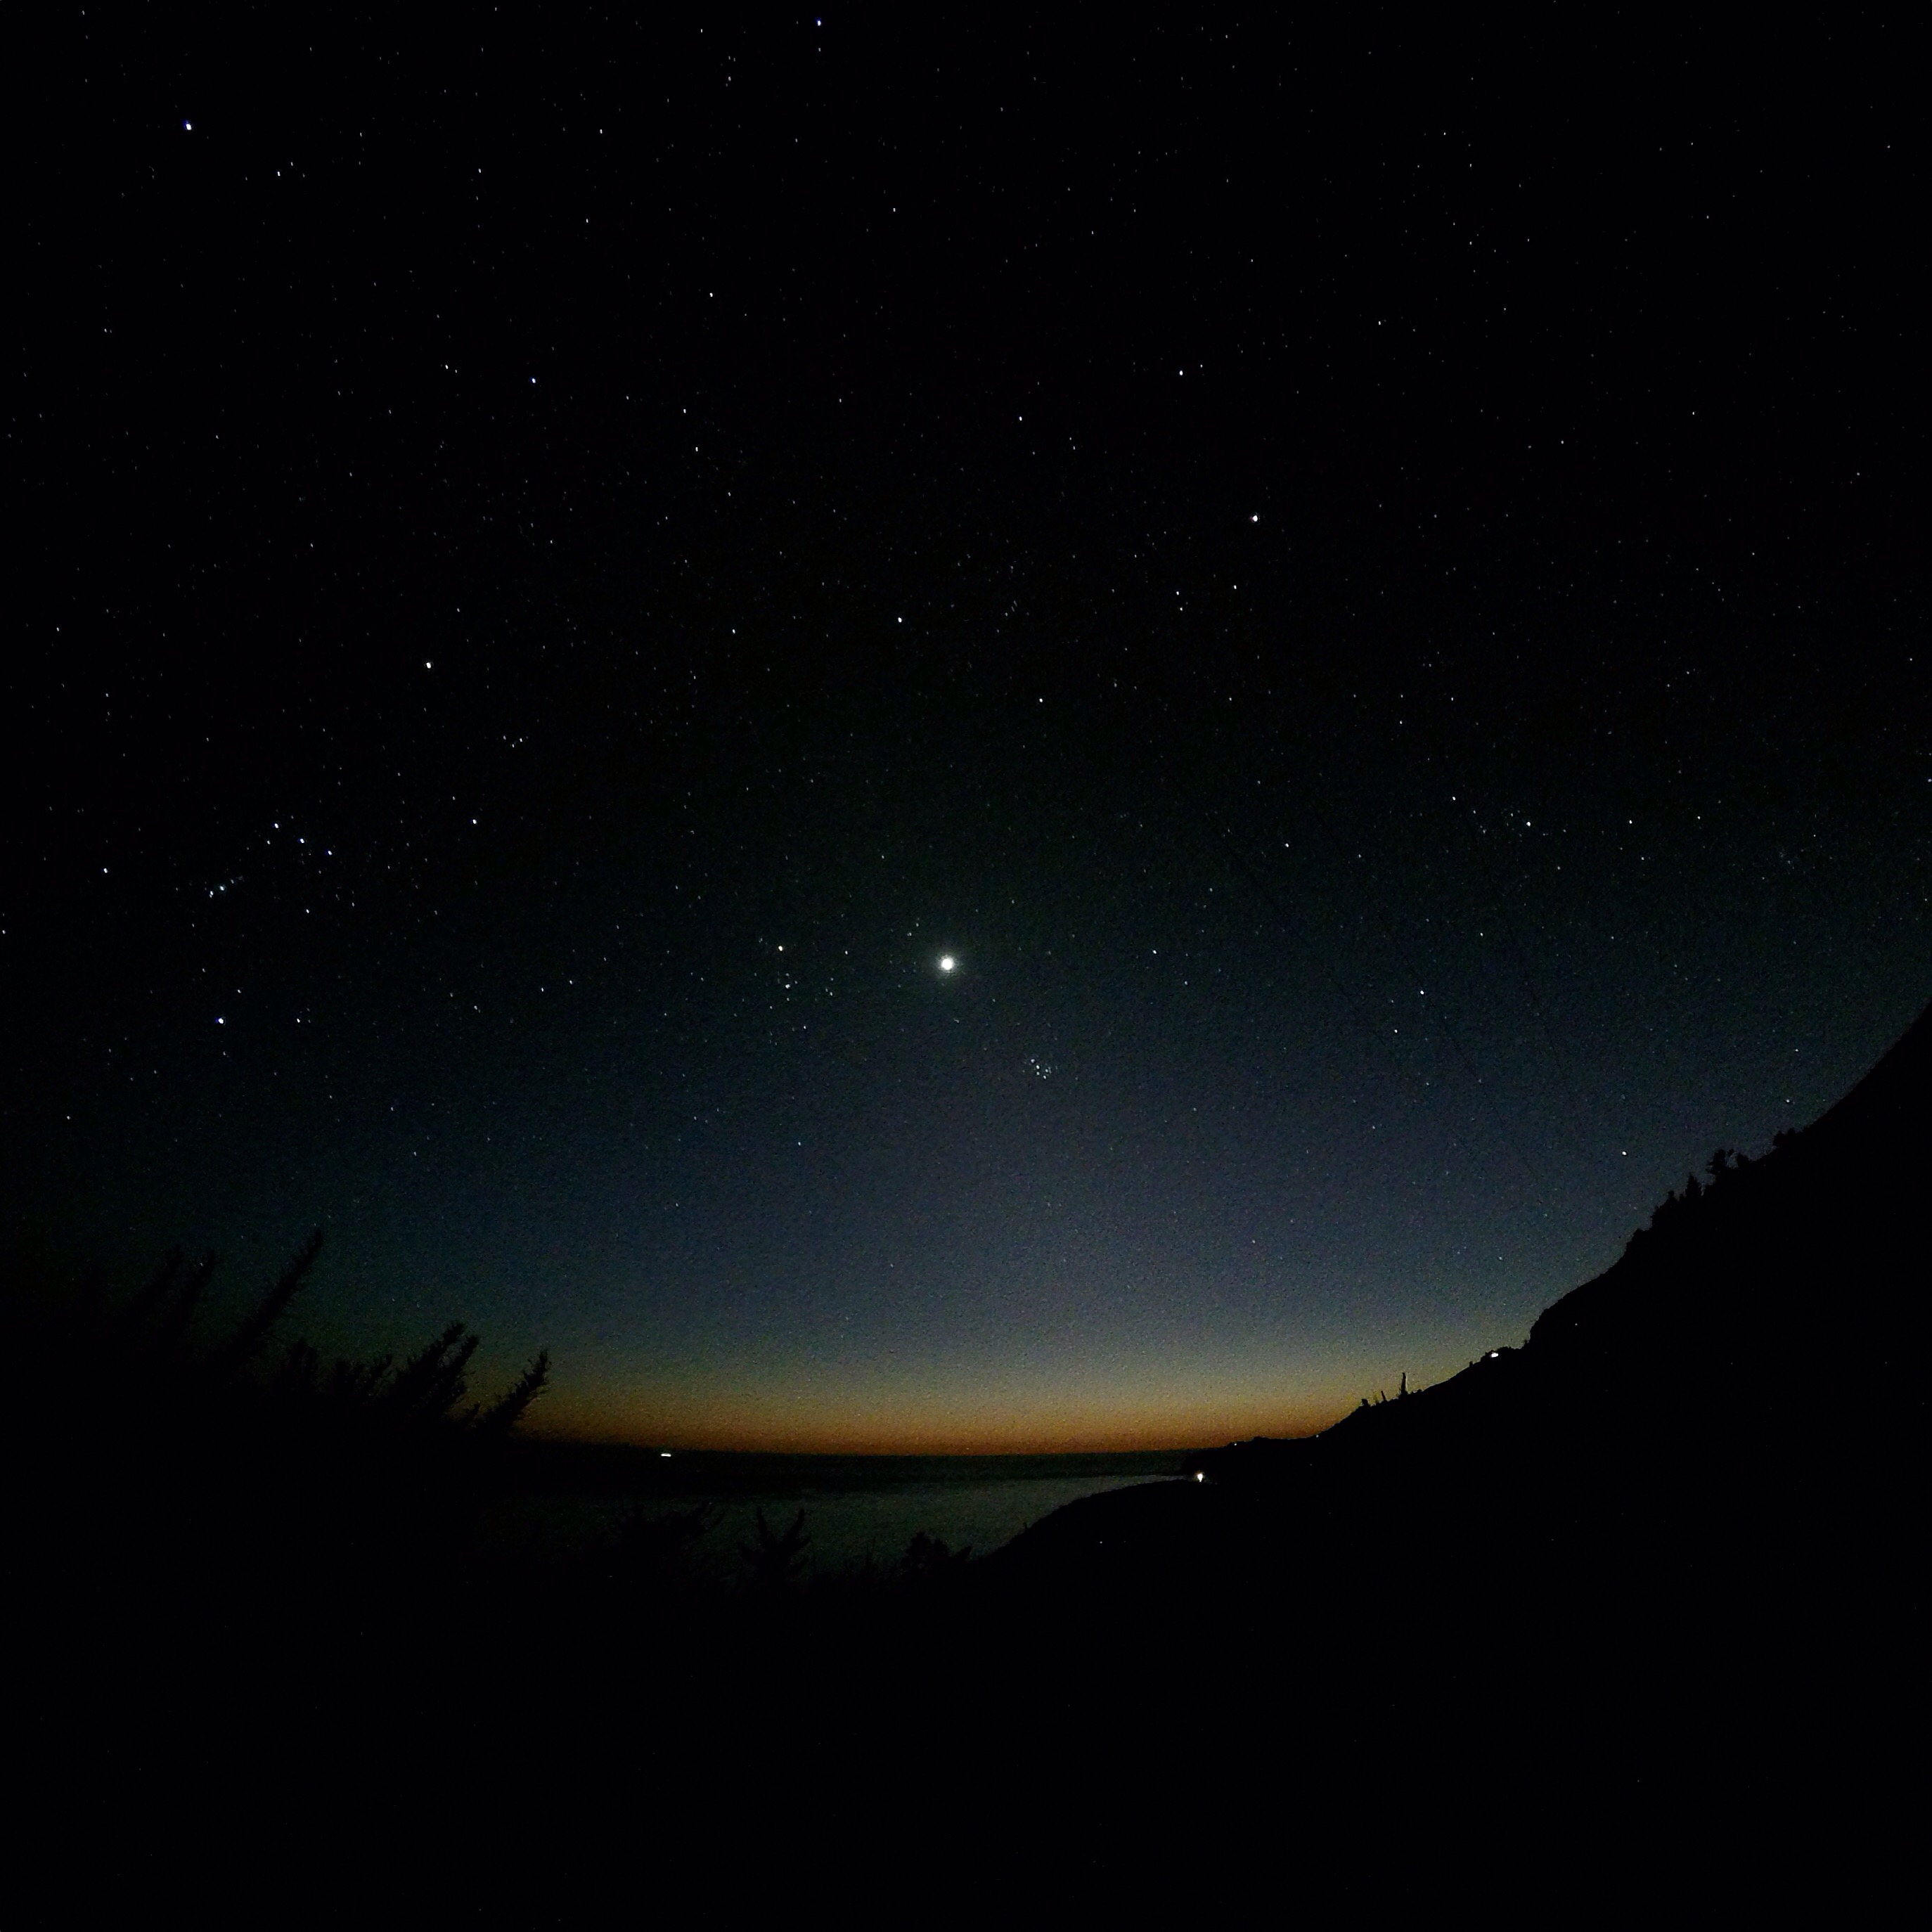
[{"x": 947, "y": 963}]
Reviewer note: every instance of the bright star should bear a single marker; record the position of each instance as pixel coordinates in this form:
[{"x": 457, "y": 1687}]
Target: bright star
[{"x": 946, "y": 964}]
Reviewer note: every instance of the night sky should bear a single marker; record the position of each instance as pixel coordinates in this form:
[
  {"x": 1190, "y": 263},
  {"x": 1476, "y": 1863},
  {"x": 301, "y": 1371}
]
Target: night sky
[{"x": 1367, "y": 594}]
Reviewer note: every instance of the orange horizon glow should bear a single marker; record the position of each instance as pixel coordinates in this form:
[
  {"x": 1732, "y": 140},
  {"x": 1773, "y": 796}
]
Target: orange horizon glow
[
  {"x": 1148, "y": 1406},
  {"x": 1032, "y": 1436}
]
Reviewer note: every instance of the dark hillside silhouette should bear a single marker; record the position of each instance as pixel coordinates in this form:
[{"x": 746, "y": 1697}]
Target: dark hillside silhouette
[
  {"x": 1629, "y": 1583},
  {"x": 1776, "y": 1301},
  {"x": 1660, "y": 1549}
]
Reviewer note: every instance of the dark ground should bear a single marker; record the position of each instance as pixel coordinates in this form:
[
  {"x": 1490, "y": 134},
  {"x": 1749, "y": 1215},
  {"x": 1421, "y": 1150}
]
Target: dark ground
[{"x": 1638, "y": 1590}]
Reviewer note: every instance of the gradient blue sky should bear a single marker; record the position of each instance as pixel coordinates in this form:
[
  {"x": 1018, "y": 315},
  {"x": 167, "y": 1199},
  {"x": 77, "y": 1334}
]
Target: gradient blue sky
[{"x": 1380, "y": 632}]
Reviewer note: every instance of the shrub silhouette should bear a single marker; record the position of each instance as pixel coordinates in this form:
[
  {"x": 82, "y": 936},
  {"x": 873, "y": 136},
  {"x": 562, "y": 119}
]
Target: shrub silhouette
[
  {"x": 929, "y": 1561},
  {"x": 657, "y": 1549},
  {"x": 177, "y": 1457},
  {"x": 776, "y": 1559}
]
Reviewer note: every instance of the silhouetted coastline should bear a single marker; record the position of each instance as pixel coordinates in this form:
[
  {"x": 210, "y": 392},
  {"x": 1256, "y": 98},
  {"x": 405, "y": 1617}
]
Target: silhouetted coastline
[{"x": 1648, "y": 1564}]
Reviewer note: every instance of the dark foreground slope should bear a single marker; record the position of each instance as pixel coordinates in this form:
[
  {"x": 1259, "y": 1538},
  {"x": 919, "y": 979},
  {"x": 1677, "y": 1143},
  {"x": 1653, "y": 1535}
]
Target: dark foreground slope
[{"x": 1634, "y": 1595}]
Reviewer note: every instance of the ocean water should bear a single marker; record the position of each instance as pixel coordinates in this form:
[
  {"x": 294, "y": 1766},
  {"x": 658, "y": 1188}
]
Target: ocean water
[
  {"x": 851, "y": 1526},
  {"x": 853, "y": 1513}
]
